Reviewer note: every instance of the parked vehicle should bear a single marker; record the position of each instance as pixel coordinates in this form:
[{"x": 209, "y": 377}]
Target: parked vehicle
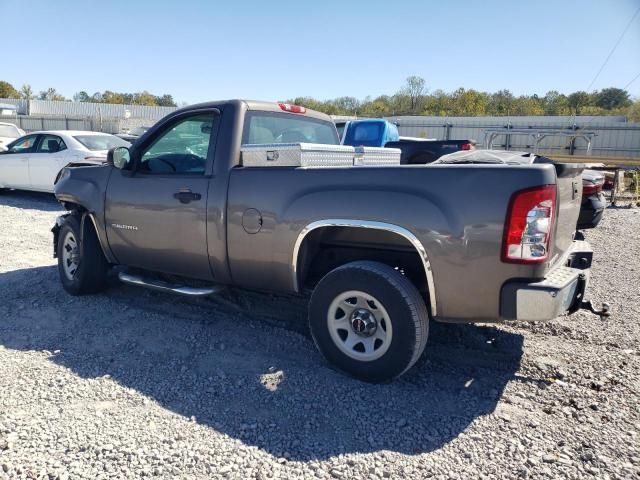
[
  {"x": 592, "y": 200},
  {"x": 382, "y": 133},
  {"x": 373, "y": 132},
  {"x": 133, "y": 134},
  {"x": 217, "y": 194},
  {"x": 8, "y": 133},
  {"x": 34, "y": 161}
]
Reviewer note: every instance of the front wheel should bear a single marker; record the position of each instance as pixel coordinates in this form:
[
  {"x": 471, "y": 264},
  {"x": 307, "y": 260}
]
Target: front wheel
[
  {"x": 81, "y": 263},
  {"x": 369, "y": 320}
]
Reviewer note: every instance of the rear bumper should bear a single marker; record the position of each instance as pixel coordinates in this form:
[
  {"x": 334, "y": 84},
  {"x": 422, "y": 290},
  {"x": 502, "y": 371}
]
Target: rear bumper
[
  {"x": 562, "y": 290},
  {"x": 591, "y": 211}
]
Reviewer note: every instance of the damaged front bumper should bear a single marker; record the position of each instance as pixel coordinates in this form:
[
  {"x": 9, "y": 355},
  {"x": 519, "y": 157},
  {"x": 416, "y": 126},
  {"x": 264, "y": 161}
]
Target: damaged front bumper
[{"x": 56, "y": 233}]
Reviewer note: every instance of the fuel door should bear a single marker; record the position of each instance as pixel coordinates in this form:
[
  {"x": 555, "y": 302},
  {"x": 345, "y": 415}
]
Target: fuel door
[{"x": 252, "y": 220}]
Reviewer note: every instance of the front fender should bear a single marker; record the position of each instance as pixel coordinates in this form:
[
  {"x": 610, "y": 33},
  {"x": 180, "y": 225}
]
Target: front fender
[{"x": 85, "y": 188}]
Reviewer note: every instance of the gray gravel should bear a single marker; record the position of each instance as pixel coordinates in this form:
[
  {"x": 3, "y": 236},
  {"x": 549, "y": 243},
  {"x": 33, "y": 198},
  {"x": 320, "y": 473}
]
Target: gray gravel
[{"x": 133, "y": 383}]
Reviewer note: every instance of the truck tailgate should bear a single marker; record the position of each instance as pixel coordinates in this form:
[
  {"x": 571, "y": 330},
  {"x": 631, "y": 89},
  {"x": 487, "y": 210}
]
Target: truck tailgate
[{"x": 569, "y": 195}]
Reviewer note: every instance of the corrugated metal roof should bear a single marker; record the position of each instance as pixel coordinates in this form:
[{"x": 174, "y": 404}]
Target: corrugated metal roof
[{"x": 87, "y": 109}]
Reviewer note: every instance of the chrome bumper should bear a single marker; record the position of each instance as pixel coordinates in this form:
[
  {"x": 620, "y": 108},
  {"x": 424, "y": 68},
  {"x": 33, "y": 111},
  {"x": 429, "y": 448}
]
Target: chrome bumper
[{"x": 561, "y": 291}]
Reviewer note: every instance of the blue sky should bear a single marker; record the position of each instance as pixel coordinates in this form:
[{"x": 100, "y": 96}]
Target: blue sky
[{"x": 272, "y": 50}]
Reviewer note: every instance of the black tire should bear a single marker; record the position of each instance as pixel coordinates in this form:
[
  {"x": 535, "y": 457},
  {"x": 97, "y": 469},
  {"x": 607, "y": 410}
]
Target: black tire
[
  {"x": 403, "y": 303},
  {"x": 90, "y": 274}
]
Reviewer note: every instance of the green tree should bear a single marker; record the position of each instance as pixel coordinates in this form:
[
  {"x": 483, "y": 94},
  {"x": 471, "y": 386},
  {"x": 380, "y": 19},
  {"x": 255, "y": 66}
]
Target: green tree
[
  {"x": 112, "y": 97},
  {"x": 26, "y": 92},
  {"x": 556, "y": 103},
  {"x": 347, "y": 105},
  {"x": 81, "y": 96},
  {"x": 51, "y": 94},
  {"x": 501, "y": 103},
  {"x": 7, "y": 90},
  {"x": 144, "y": 98},
  {"x": 610, "y": 98},
  {"x": 379, "y": 107},
  {"x": 96, "y": 97},
  {"x": 439, "y": 103},
  {"x": 578, "y": 100},
  {"x": 414, "y": 89},
  {"x": 165, "y": 100},
  {"x": 527, "y": 105},
  {"x": 633, "y": 113},
  {"x": 468, "y": 103}
]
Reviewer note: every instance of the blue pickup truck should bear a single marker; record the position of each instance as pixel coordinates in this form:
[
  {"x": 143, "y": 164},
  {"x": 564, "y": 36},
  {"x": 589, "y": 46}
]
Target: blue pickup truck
[{"x": 377, "y": 132}]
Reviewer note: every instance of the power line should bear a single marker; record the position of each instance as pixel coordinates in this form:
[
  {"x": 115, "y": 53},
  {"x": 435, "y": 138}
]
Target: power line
[
  {"x": 632, "y": 80},
  {"x": 606, "y": 60}
]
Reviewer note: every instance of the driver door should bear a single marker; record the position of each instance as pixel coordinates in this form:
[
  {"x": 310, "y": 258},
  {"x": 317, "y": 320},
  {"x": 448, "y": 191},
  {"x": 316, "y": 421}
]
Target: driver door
[{"x": 156, "y": 214}]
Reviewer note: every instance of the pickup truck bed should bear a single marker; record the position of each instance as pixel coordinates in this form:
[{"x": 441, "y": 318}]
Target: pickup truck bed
[
  {"x": 420, "y": 152},
  {"x": 381, "y": 248}
]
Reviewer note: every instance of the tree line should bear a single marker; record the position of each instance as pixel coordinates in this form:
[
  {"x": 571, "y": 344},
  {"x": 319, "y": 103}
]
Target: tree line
[
  {"x": 415, "y": 99},
  {"x": 140, "y": 98},
  {"x": 412, "y": 99}
]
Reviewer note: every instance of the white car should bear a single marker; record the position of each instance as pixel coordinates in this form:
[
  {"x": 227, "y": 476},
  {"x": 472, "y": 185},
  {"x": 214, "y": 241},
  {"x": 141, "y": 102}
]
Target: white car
[
  {"x": 8, "y": 133},
  {"x": 33, "y": 162}
]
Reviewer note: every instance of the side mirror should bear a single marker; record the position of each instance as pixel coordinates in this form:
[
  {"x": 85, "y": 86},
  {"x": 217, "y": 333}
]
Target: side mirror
[{"x": 119, "y": 157}]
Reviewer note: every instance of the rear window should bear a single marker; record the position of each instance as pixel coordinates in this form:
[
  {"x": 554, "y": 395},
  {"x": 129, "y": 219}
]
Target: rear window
[
  {"x": 365, "y": 134},
  {"x": 101, "y": 142},
  {"x": 267, "y": 127},
  {"x": 9, "y": 131}
]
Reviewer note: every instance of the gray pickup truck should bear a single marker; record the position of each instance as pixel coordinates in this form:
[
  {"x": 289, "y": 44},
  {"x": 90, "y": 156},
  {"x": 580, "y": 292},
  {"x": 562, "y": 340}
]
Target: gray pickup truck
[{"x": 381, "y": 249}]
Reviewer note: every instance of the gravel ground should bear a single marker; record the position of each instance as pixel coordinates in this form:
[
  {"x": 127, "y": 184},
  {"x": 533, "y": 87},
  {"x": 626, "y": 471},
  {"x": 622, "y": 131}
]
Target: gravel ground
[{"x": 133, "y": 383}]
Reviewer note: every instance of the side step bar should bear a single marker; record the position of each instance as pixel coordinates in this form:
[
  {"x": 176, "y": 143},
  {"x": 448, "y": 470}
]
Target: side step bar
[{"x": 168, "y": 287}]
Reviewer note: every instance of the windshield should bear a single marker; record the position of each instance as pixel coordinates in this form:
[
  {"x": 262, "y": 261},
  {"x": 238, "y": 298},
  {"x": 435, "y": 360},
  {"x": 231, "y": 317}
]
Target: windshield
[
  {"x": 267, "y": 127},
  {"x": 9, "y": 131},
  {"x": 101, "y": 142}
]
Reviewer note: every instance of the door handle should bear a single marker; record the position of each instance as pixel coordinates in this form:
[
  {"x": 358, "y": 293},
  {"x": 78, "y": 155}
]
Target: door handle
[{"x": 186, "y": 196}]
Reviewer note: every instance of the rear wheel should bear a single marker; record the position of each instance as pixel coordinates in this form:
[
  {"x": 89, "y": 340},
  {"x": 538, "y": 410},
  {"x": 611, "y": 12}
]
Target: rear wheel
[
  {"x": 81, "y": 264},
  {"x": 369, "y": 320}
]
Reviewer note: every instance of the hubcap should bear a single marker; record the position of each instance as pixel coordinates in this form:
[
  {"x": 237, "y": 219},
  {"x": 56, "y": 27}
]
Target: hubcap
[
  {"x": 359, "y": 325},
  {"x": 70, "y": 255},
  {"x": 363, "y": 322}
]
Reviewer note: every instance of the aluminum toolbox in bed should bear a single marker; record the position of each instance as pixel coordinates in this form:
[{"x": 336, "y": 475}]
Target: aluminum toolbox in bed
[
  {"x": 376, "y": 156},
  {"x": 315, "y": 155}
]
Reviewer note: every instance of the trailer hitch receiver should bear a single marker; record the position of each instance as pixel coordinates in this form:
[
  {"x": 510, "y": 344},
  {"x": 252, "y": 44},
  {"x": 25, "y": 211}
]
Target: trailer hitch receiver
[
  {"x": 603, "y": 313},
  {"x": 580, "y": 303}
]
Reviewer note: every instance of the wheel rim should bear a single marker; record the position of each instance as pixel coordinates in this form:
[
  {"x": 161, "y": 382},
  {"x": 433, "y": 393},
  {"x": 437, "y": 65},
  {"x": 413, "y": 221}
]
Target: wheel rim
[
  {"x": 70, "y": 255},
  {"x": 359, "y": 325}
]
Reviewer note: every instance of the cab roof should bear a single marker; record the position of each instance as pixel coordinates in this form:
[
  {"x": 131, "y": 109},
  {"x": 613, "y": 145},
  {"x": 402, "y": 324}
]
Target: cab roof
[{"x": 259, "y": 106}]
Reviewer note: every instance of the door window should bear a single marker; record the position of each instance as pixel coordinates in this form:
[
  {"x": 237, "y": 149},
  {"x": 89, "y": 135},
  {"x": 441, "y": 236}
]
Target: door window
[
  {"x": 24, "y": 145},
  {"x": 51, "y": 144},
  {"x": 181, "y": 149}
]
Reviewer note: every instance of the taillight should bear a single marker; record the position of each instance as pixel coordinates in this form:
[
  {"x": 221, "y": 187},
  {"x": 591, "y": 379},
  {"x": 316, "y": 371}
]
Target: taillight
[
  {"x": 590, "y": 188},
  {"x": 467, "y": 146},
  {"x": 287, "y": 107},
  {"x": 527, "y": 230}
]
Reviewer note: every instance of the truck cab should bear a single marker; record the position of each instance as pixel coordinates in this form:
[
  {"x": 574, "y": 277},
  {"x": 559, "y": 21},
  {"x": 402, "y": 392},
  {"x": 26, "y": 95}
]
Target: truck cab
[{"x": 374, "y": 132}]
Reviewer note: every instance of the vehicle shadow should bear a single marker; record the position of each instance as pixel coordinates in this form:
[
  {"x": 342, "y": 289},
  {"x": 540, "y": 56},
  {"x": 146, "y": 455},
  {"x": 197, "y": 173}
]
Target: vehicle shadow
[
  {"x": 30, "y": 200},
  {"x": 238, "y": 364}
]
